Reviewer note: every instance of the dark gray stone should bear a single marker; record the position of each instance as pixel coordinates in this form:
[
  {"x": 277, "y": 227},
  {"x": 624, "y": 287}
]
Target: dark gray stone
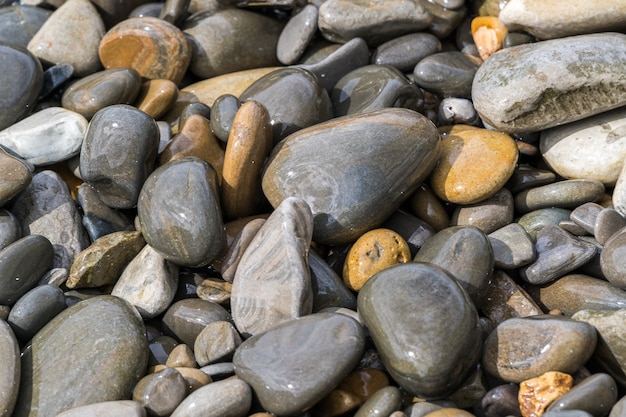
[
  {"x": 404, "y": 52},
  {"x": 34, "y": 310},
  {"x": 449, "y": 74},
  {"x": 185, "y": 319}
]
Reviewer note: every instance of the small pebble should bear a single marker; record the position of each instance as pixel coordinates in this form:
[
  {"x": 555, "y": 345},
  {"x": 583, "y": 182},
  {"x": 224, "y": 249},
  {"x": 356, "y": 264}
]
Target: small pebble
[{"x": 536, "y": 394}]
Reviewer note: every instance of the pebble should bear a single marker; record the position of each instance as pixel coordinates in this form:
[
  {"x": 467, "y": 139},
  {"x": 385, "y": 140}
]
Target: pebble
[
  {"x": 548, "y": 83},
  {"x": 444, "y": 20},
  {"x": 382, "y": 403},
  {"x": 161, "y": 392},
  {"x": 15, "y": 175},
  {"x": 181, "y": 357},
  {"x": 505, "y": 299},
  {"x": 523, "y": 348},
  {"x": 501, "y": 400},
  {"x": 108, "y": 341},
  {"x": 290, "y": 370},
  {"x": 34, "y": 310},
  {"x": 186, "y": 318},
  {"x": 148, "y": 282},
  {"x": 488, "y": 215},
  {"x": 425, "y": 205},
  {"x": 216, "y": 343},
  {"x": 322, "y": 165},
  {"x": 336, "y": 403},
  {"x": 272, "y": 284},
  {"x": 156, "y": 97},
  {"x": 216, "y": 290},
  {"x": 70, "y": 35},
  {"x": 179, "y": 212},
  {"x": 412, "y": 229},
  {"x": 449, "y": 74},
  {"x": 231, "y": 397},
  {"x": 297, "y": 34},
  {"x": 10, "y": 229},
  {"x": 404, "y": 52},
  {"x": 194, "y": 378},
  {"x": 567, "y": 194},
  {"x": 328, "y": 288},
  {"x": 608, "y": 223},
  {"x": 536, "y": 394},
  {"x": 512, "y": 247},
  {"x": 458, "y": 179},
  {"x": 447, "y": 354},
  {"x": 19, "y": 23},
  {"x": 618, "y": 409},
  {"x": 373, "y": 252},
  {"x": 586, "y": 216},
  {"x": 216, "y": 37},
  {"x": 124, "y": 408},
  {"x": 596, "y": 395},
  {"x": 10, "y": 372},
  {"x": 536, "y": 220},
  {"x": 237, "y": 248},
  {"x": 454, "y": 110},
  {"x": 98, "y": 218},
  {"x": 526, "y": 176},
  {"x": 222, "y": 115},
  {"x": 611, "y": 260}
]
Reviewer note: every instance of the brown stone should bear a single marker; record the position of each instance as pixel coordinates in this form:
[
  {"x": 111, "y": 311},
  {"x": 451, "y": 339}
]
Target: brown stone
[
  {"x": 338, "y": 402},
  {"x": 181, "y": 356},
  {"x": 231, "y": 232},
  {"x": 505, "y": 299},
  {"x": 153, "y": 47},
  {"x": 536, "y": 394},
  {"x": 249, "y": 143},
  {"x": 426, "y": 205},
  {"x": 364, "y": 382},
  {"x": 235, "y": 251},
  {"x": 195, "y": 378},
  {"x": 15, "y": 176},
  {"x": 156, "y": 97},
  {"x": 215, "y": 290}
]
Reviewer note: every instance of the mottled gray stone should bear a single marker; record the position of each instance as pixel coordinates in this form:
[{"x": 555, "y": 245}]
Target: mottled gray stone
[
  {"x": 585, "y": 216},
  {"x": 454, "y": 110},
  {"x": 297, "y": 34},
  {"x": 595, "y": 394},
  {"x": 505, "y": 299},
  {"x": 10, "y": 371},
  {"x": 185, "y": 319},
  {"x": 404, "y": 52},
  {"x": 566, "y": 194},
  {"x": 98, "y": 218},
  {"x": 228, "y": 398},
  {"x": 512, "y": 247},
  {"x": 34, "y": 310},
  {"x": 499, "y": 401}
]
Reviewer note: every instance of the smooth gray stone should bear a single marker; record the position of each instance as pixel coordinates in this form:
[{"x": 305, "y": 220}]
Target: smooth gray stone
[
  {"x": 118, "y": 154},
  {"x": 382, "y": 403},
  {"x": 148, "y": 282},
  {"x": 404, "y": 52},
  {"x": 450, "y": 4},
  {"x": 98, "y": 218},
  {"x": 431, "y": 352},
  {"x": 449, "y": 74},
  {"x": 54, "y": 77},
  {"x": 290, "y": 112},
  {"x": 34, "y": 310},
  {"x": 551, "y": 83},
  {"x": 585, "y": 216},
  {"x": 18, "y": 24},
  {"x": 10, "y": 371},
  {"x": 349, "y": 56},
  {"x": 342, "y": 20},
  {"x": 536, "y": 220},
  {"x": 444, "y": 21},
  {"x": 102, "y": 89},
  {"x": 421, "y": 408},
  {"x": 180, "y": 214},
  {"x": 10, "y": 229},
  {"x": 608, "y": 223},
  {"x": 218, "y": 37},
  {"x": 595, "y": 394},
  {"x": 488, "y": 215},
  {"x": 517, "y": 38},
  {"x": 499, "y": 401},
  {"x": 465, "y": 253},
  {"x": 512, "y": 247},
  {"x": 566, "y": 194},
  {"x": 592, "y": 267},
  {"x": 573, "y": 228},
  {"x": 108, "y": 356},
  {"x": 185, "y": 319},
  {"x": 22, "y": 263},
  {"x": 295, "y": 365},
  {"x": 413, "y": 230},
  {"x": 272, "y": 283},
  {"x": 55, "y": 276},
  {"x": 328, "y": 288},
  {"x": 567, "y": 413},
  {"x": 218, "y": 371},
  {"x": 216, "y": 343},
  {"x": 161, "y": 392},
  {"x": 374, "y": 87},
  {"x": 232, "y": 398},
  {"x": 152, "y": 9},
  {"x": 558, "y": 253},
  {"x": 200, "y": 109},
  {"x": 21, "y": 76},
  {"x": 230, "y": 261},
  {"x": 612, "y": 260},
  {"x": 174, "y": 11},
  {"x": 297, "y": 34},
  {"x": 454, "y": 110},
  {"x": 339, "y": 168},
  {"x": 527, "y": 347},
  {"x": 121, "y": 408},
  {"x": 526, "y": 176},
  {"x": 619, "y": 409},
  {"x": 49, "y": 136},
  {"x": 222, "y": 114}
]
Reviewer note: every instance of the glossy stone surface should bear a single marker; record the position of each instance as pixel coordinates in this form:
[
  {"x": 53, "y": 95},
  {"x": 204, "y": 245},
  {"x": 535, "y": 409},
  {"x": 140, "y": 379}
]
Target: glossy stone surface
[
  {"x": 499, "y": 401},
  {"x": 179, "y": 212},
  {"x": 10, "y": 372},
  {"x": 216, "y": 343},
  {"x": 19, "y": 23},
  {"x": 384, "y": 402},
  {"x": 294, "y": 365},
  {"x": 324, "y": 166},
  {"x": 328, "y": 288},
  {"x": 426, "y": 357},
  {"x": 109, "y": 342},
  {"x": 488, "y": 215},
  {"x": 126, "y": 408},
  {"x": 505, "y": 299},
  {"x": 512, "y": 246},
  {"x": 404, "y": 52},
  {"x": 566, "y": 194},
  {"x": 185, "y": 319},
  {"x": 98, "y": 218},
  {"x": 34, "y": 310},
  {"x": 231, "y": 397},
  {"x": 15, "y": 175},
  {"x": 296, "y": 35},
  {"x": 595, "y": 394},
  {"x": 156, "y": 97},
  {"x": 611, "y": 260},
  {"x": 536, "y": 220},
  {"x": 449, "y": 74}
]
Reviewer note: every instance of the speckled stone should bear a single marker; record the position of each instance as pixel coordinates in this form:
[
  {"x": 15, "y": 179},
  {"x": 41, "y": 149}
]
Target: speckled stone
[
  {"x": 536, "y": 394},
  {"x": 595, "y": 394},
  {"x": 323, "y": 165},
  {"x": 524, "y": 348},
  {"x": 548, "y": 83},
  {"x": 161, "y": 392},
  {"x": 404, "y": 52},
  {"x": 488, "y": 215},
  {"x": 217, "y": 342},
  {"x": 109, "y": 342},
  {"x": 459, "y": 179},
  {"x": 505, "y": 299},
  {"x": 34, "y": 310},
  {"x": 10, "y": 371},
  {"x": 566, "y": 194},
  {"x": 182, "y": 223},
  {"x": 449, "y": 74},
  {"x": 70, "y": 35},
  {"x": 290, "y": 371},
  {"x": 425, "y": 356},
  {"x": 512, "y": 247},
  {"x": 185, "y": 319},
  {"x": 15, "y": 175},
  {"x": 297, "y": 34},
  {"x": 231, "y": 397}
]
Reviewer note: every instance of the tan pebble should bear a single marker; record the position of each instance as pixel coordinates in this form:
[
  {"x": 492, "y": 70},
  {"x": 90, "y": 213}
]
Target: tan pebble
[
  {"x": 555, "y": 312},
  {"x": 181, "y": 356},
  {"x": 215, "y": 290},
  {"x": 425, "y": 205},
  {"x": 156, "y": 97},
  {"x": 488, "y": 34},
  {"x": 460, "y": 179},
  {"x": 195, "y": 378},
  {"x": 449, "y": 412},
  {"x": 505, "y": 299},
  {"x": 371, "y": 253},
  {"x": 156, "y": 368},
  {"x": 336, "y": 403},
  {"x": 536, "y": 394},
  {"x": 364, "y": 382}
]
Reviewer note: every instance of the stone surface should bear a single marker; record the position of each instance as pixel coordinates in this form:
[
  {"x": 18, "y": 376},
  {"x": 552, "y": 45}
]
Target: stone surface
[
  {"x": 70, "y": 35},
  {"x": 512, "y": 247},
  {"x": 384, "y": 402},
  {"x": 566, "y": 194},
  {"x": 34, "y": 310},
  {"x": 404, "y": 52},
  {"x": 156, "y": 97},
  {"x": 19, "y": 23},
  {"x": 524, "y": 348},
  {"x": 459, "y": 179},
  {"x": 293, "y": 366},
  {"x": 230, "y": 261},
  {"x": 15, "y": 175},
  {"x": 328, "y": 288},
  {"x": 501, "y": 400},
  {"x": 181, "y": 357},
  {"x": 10, "y": 229},
  {"x": 98, "y": 218},
  {"x": 449, "y": 74},
  {"x": 611, "y": 260},
  {"x": 231, "y": 397},
  {"x": 536, "y": 394},
  {"x": 10, "y": 372},
  {"x": 161, "y": 392},
  {"x": 425, "y": 357},
  {"x": 182, "y": 223},
  {"x": 324, "y": 166},
  {"x": 124, "y": 408},
  {"x": 548, "y": 83},
  {"x": 536, "y": 220},
  {"x": 108, "y": 356},
  {"x": 488, "y": 215},
  {"x": 526, "y": 176},
  {"x": 272, "y": 284},
  {"x": 595, "y": 394},
  {"x": 296, "y": 35},
  {"x": 608, "y": 223},
  {"x": 505, "y": 299},
  {"x": 185, "y": 319},
  {"x": 586, "y": 216},
  {"x": 222, "y": 114},
  {"x": 425, "y": 205},
  {"x": 412, "y": 229},
  {"x": 217, "y": 342}
]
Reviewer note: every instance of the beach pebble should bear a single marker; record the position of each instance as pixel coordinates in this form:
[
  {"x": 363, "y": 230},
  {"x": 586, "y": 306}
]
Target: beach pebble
[
  {"x": 15, "y": 175},
  {"x": 10, "y": 229},
  {"x": 505, "y": 299},
  {"x": 596, "y": 395},
  {"x": 296, "y": 35},
  {"x": 186, "y": 318},
  {"x": 512, "y": 247},
  {"x": 404, "y": 52},
  {"x": 488, "y": 215},
  {"x": 125, "y": 408},
  {"x": 34, "y": 310},
  {"x": 19, "y": 23},
  {"x": 231, "y": 397},
  {"x": 161, "y": 392},
  {"x": 536, "y": 394},
  {"x": 10, "y": 372},
  {"x": 567, "y": 194},
  {"x": 449, "y": 74},
  {"x": 611, "y": 260}
]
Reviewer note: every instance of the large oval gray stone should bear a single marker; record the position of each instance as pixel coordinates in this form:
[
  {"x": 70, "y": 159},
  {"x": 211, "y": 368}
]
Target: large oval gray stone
[
  {"x": 94, "y": 351},
  {"x": 424, "y": 326},
  {"x": 10, "y": 369},
  {"x": 228, "y": 398},
  {"x": 353, "y": 171},
  {"x": 35, "y": 309}
]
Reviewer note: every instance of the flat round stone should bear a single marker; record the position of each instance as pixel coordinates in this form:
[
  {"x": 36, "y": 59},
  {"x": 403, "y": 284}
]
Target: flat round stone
[{"x": 35, "y": 309}]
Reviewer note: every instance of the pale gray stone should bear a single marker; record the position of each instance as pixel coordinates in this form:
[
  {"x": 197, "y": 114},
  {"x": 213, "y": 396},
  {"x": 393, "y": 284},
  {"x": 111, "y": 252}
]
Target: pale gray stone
[
  {"x": 512, "y": 246},
  {"x": 121, "y": 408},
  {"x": 216, "y": 343},
  {"x": 228, "y": 398},
  {"x": 297, "y": 34}
]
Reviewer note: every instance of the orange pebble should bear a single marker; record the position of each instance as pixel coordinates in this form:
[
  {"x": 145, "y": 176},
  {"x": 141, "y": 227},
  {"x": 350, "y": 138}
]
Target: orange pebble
[{"x": 488, "y": 33}]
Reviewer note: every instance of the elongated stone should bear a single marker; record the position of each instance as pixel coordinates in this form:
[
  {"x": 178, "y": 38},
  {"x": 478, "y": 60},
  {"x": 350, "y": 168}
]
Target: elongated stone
[
  {"x": 552, "y": 82},
  {"x": 296, "y": 35},
  {"x": 49, "y": 136},
  {"x": 595, "y": 394},
  {"x": 339, "y": 169},
  {"x": 231, "y": 397},
  {"x": 15, "y": 175},
  {"x": 449, "y": 74},
  {"x": 108, "y": 357},
  {"x": 34, "y": 310},
  {"x": 404, "y": 52},
  {"x": 126, "y": 408},
  {"x": 19, "y": 23},
  {"x": 567, "y": 194},
  {"x": 10, "y": 371},
  {"x": 272, "y": 283}
]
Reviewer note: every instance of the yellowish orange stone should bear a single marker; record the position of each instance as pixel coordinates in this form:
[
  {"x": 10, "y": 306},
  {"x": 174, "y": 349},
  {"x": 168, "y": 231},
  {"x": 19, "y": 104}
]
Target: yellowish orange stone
[
  {"x": 474, "y": 164},
  {"x": 371, "y": 253},
  {"x": 488, "y": 34},
  {"x": 156, "y": 97},
  {"x": 195, "y": 378},
  {"x": 181, "y": 355},
  {"x": 425, "y": 205},
  {"x": 249, "y": 142},
  {"x": 536, "y": 394},
  {"x": 364, "y": 382}
]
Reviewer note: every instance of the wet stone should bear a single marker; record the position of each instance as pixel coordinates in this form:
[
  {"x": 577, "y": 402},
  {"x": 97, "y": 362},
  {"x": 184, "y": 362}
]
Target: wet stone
[
  {"x": 328, "y": 288},
  {"x": 126, "y": 408},
  {"x": 55, "y": 77},
  {"x": 215, "y": 290},
  {"x": 19, "y": 23},
  {"x": 160, "y": 348},
  {"x": 217, "y": 342},
  {"x": 526, "y": 176},
  {"x": 425, "y": 205},
  {"x": 444, "y": 20},
  {"x": 512, "y": 247},
  {"x": 297, "y": 34},
  {"x": 488, "y": 215},
  {"x": 536, "y": 220},
  {"x": 102, "y": 89},
  {"x": 34, "y": 310},
  {"x": 454, "y": 110},
  {"x": 618, "y": 410},
  {"x": 566, "y": 194},
  {"x": 289, "y": 370},
  {"x": 181, "y": 357},
  {"x": 412, "y": 229},
  {"x": 449, "y": 74},
  {"x": 595, "y": 394},
  {"x": 611, "y": 260},
  {"x": 156, "y": 97},
  {"x": 505, "y": 299},
  {"x": 10, "y": 371},
  {"x": 10, "y": 229},
  {"x": 98, "y": 218},
  {"x": 222, "y": 115},
  {"x": 586, "y": 216},
  {"x": 536, "y": 394},
  {"x": 231, "y": 397},
  {"x": 185, "y": 319},
  {"x": 524, "y": 348},
  {"x": 499, "y": 401},
  {"x": 384, "y": 402},
  {"x": 15, "y": 175},
  {"x": 160, "y": 393},
  {"x": 404, "y": 52},
  {"x": 447, "y": 354},
  {"x": 194, "y": 378},
  {"x": 608, "y": 223},
  {"x": 192, "y": 108}
]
